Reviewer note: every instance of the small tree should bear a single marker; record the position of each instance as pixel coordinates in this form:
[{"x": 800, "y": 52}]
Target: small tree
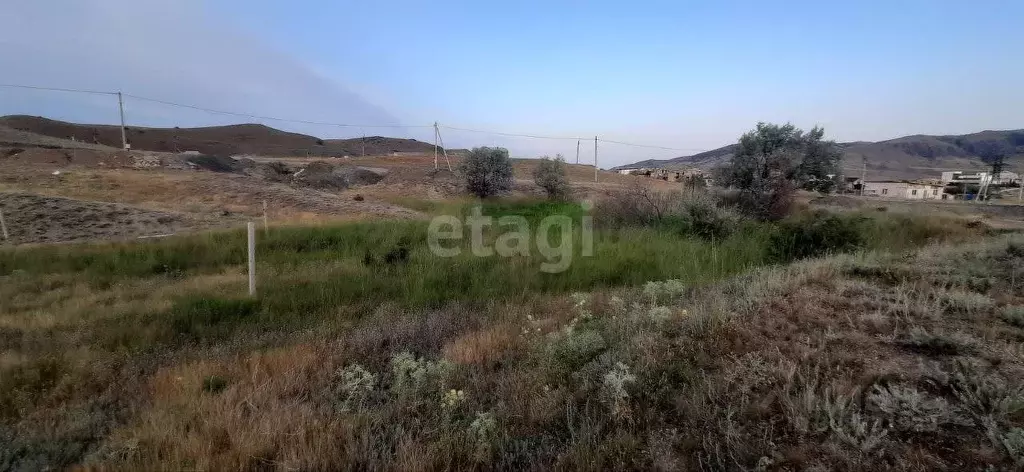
[
  {"x": 488, "y": 171},
  {"x": 550, "y": 176}
]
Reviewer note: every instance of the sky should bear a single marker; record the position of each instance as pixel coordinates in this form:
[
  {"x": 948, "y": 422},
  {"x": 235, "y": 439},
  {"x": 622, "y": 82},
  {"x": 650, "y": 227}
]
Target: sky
[{"x": 685, "y": 75}]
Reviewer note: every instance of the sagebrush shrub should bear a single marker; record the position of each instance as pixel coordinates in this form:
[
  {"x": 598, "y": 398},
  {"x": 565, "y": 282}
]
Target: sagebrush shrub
[
  {"x": 1013, "y": 314},
  {"x": 985, "y": 394},
  {"x": 970, "y": 303},
  {"x": 934, "y": 343},
  {"x": 614, "y": 388},
  {"x": 1013, "y": 443},
  {"x": 666, "y": 290},
  {"x": 908, "y": 409},
  {"x": 575, "y": 348},
  {"x": 483, "y": 433},
  {"x": 412, "y": 375},
  {"x": 353, "y": 384}
]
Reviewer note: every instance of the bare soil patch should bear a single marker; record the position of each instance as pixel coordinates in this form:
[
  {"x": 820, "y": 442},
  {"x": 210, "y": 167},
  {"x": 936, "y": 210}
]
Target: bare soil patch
[{"x": 43, "y": 219}]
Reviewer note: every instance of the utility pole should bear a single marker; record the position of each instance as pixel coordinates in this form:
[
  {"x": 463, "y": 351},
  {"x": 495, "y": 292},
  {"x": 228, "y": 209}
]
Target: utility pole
[
  {"x": 435, "y": 145},
  {"x": 577, "y": 151},
  {"x": 444, "y": 151},
  {"x": 120, "y": 106},
  {"x": 863, "y": 174},
  {"x": 362, "y": 142},
  {"x": 595, "y": 158}
]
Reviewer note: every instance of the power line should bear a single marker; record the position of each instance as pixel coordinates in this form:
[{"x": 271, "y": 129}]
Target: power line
[
  {"x": 271, "y": 118},
  {"x": 55, "y": 89},
  {"x": 654, "y": 146},
  {"x": 538, "y": 136},
  {"x": 345, "y": 125},
  {"x": 517, "y": 135}
]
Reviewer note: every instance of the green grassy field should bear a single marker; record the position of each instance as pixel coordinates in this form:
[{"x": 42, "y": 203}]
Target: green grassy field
[{"x": 91, "y": 332}]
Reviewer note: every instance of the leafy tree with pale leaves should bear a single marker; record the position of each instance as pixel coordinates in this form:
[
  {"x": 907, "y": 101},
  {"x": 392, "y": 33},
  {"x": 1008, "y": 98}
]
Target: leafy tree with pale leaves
[
  {"x": 487, "y": 171},
  {"x": 550, "y": 176},
  {"x": 771, "y": 160}
]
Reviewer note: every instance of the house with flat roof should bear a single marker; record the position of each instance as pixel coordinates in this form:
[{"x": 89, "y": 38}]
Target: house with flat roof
[{"x": 903, "y": 189}]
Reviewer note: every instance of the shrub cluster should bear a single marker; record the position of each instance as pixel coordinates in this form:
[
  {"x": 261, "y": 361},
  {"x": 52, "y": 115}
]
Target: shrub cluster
[
  {"x": 640, "y": 206},
  {"x": 814, "y": 236}
]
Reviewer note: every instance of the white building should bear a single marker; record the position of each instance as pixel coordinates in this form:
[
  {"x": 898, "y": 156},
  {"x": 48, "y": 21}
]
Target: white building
[
  {"x": 903, "y": 189},
  {"x": 1006, "y": 177},
  {"x": 978, "y": 178}
]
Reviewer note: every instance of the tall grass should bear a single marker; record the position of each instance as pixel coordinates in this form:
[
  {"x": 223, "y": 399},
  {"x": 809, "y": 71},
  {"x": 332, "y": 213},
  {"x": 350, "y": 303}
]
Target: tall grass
[{"x": 306, "y": 270}]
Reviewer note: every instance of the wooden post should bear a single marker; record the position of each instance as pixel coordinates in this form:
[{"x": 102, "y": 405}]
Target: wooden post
[
  {"x": 595, "y": 158},
  {"x": 266, "y": 228},
  {"x": 3, "y": 226},
  {"x": 252, "y": 258}
]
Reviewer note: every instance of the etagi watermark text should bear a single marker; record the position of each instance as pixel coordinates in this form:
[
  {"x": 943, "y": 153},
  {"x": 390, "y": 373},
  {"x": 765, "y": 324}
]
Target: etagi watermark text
[{"x": 553, "y": 237}]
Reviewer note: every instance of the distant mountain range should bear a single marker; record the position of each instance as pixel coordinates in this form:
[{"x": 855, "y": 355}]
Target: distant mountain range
[
  {"x": 216, "y": 140},
  {"x": 909, "y": 157}
]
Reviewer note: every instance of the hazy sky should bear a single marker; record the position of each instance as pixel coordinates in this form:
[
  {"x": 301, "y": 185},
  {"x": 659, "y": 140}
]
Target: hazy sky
[{"x": 688, "y": 75}]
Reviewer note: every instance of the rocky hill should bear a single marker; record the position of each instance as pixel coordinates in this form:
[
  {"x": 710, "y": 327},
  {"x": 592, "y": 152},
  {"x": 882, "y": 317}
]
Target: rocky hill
[
  {"x": 917, "y": 156},
  {"x": 214, "y": 140}
]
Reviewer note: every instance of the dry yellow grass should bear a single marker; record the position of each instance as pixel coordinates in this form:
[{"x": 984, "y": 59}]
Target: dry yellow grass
[
  {"x": 484, "y": 346},
  {"x": 259, "y": 419}
]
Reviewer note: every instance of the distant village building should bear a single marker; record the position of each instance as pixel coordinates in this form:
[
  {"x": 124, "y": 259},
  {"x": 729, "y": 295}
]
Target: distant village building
[
  {"x": 980, "y": 178},
  {"x": 961, "y": 177},
  {"x": 903, "y": 189},
  {"x": 669, "y": 175}
]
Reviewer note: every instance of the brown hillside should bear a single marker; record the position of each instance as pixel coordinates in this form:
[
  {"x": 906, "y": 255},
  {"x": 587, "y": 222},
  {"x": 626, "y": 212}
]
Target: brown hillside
[
  {"x": 217, "y": 140},
  {"x": 918, "y": 156}
]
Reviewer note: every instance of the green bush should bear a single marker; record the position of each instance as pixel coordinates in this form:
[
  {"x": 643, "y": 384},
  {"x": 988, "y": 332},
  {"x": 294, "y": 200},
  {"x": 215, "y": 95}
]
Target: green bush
[
  {"x": 708, "y": 221},
  {"x": 487, "y": 171},
  {"x": 550, "y": 176},
  {"x": 815, "y": 236}
]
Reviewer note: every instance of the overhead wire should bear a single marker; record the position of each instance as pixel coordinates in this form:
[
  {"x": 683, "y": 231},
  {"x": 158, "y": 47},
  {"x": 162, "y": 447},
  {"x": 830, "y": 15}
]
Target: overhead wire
[
  {"x": 346, "y": 125},
  {"x": 270, "y": 118},
  {"x": 56, "y": 89},
  {"x": 517, "y": 135}
]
